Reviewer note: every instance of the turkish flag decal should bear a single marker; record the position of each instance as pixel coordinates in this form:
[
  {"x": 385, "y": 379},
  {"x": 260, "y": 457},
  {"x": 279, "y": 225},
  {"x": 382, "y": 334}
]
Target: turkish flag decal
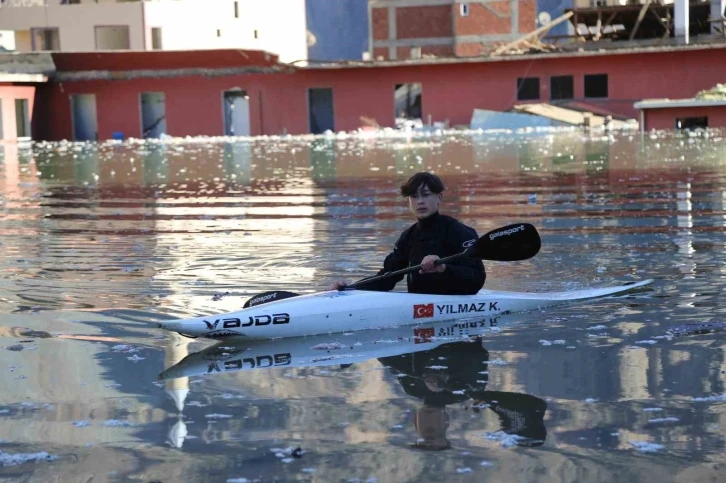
[
  {"x": 423, "y": 335},
  {"x": 423, "y": 311}
]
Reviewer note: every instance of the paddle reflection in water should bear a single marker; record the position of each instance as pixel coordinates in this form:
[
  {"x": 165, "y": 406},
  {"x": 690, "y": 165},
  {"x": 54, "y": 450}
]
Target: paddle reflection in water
[{"x": 441, "y": 364}]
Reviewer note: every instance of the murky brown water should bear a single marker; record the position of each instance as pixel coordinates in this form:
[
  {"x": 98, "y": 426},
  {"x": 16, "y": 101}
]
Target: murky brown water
[{"x": 100, "y": 241}]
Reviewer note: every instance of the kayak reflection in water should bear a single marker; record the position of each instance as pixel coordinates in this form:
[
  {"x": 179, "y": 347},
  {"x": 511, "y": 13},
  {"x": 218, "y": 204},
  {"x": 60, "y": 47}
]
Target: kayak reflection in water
[
  {"x": 457, "y": 373},
  {"x": 432, "y": 237}
]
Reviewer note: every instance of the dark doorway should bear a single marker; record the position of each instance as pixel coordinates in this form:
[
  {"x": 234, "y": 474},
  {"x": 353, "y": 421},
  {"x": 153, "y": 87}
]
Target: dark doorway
[{"x": 320, "y": 109}]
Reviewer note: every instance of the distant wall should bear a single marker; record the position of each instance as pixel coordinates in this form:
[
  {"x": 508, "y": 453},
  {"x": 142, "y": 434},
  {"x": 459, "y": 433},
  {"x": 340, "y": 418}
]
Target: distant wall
[
  {"x": 339, "y": 29},
  {"x": 665, "y": 118}
]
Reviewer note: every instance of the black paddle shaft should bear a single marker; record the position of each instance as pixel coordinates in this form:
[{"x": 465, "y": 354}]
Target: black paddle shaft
[{"x": 519, "y": 241}]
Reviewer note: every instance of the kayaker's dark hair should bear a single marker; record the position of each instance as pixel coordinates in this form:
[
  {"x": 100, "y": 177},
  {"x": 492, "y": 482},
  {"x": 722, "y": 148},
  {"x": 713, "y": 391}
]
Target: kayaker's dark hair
[{"x": 433, "y": 182}]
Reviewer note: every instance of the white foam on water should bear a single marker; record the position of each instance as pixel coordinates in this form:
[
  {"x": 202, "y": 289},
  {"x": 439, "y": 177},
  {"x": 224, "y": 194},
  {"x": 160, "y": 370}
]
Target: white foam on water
[
  {"x": 486, "y": 463},
  {"x": 646, "y": 447},
  {"x": 652, "y": 410},
  {"x": 81, "y": 424},
  {"x": 464, "y": 470},
  {"x": 721, "y": 398},
  {"x": 7, "y": 459},
  {"x": 647, "y": 341},
  {"x": 596, "y": 327},
  {"x": 117, "y": 423},
  {"x": 237, "y": 480},
  {"x": 506, "y": 440},
  {"x": 217, "y": 416},
  {"x": 663, "y": 420}
]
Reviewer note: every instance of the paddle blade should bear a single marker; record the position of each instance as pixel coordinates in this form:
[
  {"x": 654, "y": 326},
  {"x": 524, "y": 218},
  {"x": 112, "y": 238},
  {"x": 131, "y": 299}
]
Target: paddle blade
[
  {"x": 519, "y": 241},
  {"x": 263, "y": 298}
]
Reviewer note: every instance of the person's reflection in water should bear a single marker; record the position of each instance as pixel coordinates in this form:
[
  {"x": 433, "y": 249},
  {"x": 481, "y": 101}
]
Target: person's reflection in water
[{"x": 456, "y": 373}]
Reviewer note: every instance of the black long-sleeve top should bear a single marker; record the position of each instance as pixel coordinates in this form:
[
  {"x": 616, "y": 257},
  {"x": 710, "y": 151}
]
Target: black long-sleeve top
[{"x": 435, "y": 235}]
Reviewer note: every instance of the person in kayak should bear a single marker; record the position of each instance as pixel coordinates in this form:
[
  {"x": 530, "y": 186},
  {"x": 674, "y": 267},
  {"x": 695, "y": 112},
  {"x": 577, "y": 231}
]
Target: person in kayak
[{"x": 432, "y": 237}]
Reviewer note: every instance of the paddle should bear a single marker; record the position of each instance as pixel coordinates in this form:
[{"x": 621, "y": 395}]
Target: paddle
[
  {"x": 510, "y": 243},
  {"x": 519, "y": 241},
  {"x": 263, "y": 298}
]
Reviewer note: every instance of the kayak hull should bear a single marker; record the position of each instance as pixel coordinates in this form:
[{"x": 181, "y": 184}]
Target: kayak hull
[{"x": 342, "y": 311}]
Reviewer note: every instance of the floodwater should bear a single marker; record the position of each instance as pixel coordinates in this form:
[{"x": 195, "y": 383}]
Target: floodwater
[{"x": 100, "y": 241}]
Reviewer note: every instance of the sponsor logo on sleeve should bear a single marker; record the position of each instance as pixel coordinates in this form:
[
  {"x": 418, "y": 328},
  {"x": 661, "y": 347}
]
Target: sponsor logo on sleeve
[
  {"x": 423, "y": 311},
  {"x": 468, "y": 243}
]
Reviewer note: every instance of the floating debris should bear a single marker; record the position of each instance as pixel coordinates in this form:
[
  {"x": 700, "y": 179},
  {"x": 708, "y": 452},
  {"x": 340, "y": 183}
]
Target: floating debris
[
  {"x": 721, "y": 398},
  {"x": 646, "y": 447},
  {"x": 506, "y": 440},
  {"x": 663, "y": 420},
  {"x": 117, "y": 423},
  {"x": 329, "y": 347},
  {"x": 696, "y": 329},
  {"x": 7, "y": 459}
]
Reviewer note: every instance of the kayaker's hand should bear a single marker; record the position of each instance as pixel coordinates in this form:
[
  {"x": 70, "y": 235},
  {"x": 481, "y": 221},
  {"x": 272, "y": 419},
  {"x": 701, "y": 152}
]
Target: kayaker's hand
[
  {"x": 338, "y": 284},
  {"x": 427, "y": 265}
]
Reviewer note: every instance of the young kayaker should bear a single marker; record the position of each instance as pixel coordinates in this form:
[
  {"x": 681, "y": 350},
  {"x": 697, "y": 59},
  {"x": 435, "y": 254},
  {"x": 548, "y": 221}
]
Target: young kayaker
[{"x": 433, "y": 236}]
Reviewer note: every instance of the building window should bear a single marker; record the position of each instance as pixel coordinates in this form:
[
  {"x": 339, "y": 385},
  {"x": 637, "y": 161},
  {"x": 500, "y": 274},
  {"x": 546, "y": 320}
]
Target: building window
[
  {"x": 407, "y": 99},
  {"x": 528, "y": 88},
  {"x": 562, "y": 87},
  {"x": 113, "y": 37},
  {"x": 156, "y": 38},
  {"x": 692, "y": 122},
  {"x": 255, "y": 33},
  {"x": 45, "y": 38},
  {"x": 219, "y": 32},
  {"x": 596, "y": 85},
  {"x": 236, "y": 9},
  {"x": 464, "y": 9},
  {"x": 22, "y": 118}
]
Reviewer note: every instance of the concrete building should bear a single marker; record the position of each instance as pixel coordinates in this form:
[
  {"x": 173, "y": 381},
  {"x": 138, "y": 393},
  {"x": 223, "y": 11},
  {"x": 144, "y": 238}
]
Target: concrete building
[
  {"x": 403, "y": 29},
  {"x": 276, "y": 26},
  {"x": 337, "y": 29}
]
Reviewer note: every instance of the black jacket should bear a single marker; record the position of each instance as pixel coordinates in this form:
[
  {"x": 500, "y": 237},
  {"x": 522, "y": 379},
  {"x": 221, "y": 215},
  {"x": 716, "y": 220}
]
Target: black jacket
[{"x": 436, "y": 235}]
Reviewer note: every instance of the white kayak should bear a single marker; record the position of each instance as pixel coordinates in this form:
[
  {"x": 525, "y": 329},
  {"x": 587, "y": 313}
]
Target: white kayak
[
  {"x": 351, "y": 310},
  {"x": 240, "y": 354}
]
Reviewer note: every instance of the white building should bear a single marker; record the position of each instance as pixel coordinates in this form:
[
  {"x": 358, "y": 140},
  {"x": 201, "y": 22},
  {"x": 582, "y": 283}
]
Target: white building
[{"x": 276, "y": 26}]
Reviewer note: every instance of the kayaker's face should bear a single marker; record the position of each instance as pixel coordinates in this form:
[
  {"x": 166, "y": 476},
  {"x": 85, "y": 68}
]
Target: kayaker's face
[{"x": 424, "y": 203}]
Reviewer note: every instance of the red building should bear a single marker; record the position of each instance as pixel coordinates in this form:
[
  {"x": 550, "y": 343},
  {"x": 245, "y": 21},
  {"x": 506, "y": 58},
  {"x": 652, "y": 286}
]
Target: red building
[
  {"x": 147, "y": 94},
  {"x": 403, "y": 29},
  {"x": 664, "y": 114}
]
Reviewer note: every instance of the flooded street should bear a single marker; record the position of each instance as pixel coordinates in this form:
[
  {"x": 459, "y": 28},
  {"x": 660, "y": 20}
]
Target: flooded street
[{"x": 98, "y": 242}]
